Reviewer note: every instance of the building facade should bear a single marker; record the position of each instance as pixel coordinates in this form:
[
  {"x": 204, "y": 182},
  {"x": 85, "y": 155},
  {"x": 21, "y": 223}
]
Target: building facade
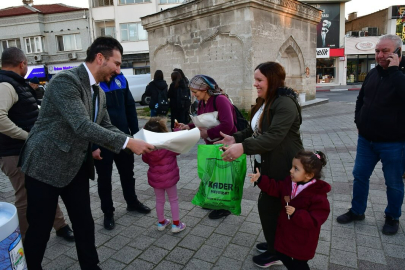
[
  {"x": 330, "y": 56},
  {"x": 121, "y": 19},
  {"x": 228, "y": 39},
  {"x": 362, "y": 36},
  {"x": 54, "y": 37}
]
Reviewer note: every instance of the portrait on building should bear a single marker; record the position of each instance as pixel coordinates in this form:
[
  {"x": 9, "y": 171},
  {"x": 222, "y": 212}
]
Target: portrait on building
[{"x": 328, "y": 28}]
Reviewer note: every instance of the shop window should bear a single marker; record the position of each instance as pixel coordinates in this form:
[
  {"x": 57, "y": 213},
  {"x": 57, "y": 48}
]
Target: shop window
[
  {"x": 108, "y": 32},
  {"x": 325, "y": 70},
  {"x": 133, "y": 32},
  {"x": 4, "y": 44},
  {"x": 69, "y": 42},
  {"x": 358, "y": 66},
  {"x": 103, "y": 3},
  {"x": 34, "y": 44},
  {"x": 142, "y": 70}
]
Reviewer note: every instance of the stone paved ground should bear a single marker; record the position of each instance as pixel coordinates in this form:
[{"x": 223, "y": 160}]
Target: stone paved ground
[{"x": 229, "y": 243}]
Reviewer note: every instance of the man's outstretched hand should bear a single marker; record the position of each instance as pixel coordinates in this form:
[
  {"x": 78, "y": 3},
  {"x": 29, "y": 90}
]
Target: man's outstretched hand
[{"x": 139, "y": 147}]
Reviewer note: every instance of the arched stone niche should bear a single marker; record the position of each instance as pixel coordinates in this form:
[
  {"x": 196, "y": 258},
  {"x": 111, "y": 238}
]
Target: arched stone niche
[
  {"x": 291, "y": 58},
  {"x": 167, "y": 57}
]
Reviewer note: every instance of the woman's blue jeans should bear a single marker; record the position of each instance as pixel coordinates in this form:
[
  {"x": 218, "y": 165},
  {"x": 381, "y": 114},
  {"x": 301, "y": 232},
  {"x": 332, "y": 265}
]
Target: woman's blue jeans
[{"x": 392, "y": 156}]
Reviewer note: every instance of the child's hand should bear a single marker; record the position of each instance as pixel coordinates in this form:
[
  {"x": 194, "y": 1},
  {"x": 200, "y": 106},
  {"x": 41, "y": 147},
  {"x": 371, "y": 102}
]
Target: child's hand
[
  {"x": 290, "y": 210},
  {"x": 254, "y": 177}
]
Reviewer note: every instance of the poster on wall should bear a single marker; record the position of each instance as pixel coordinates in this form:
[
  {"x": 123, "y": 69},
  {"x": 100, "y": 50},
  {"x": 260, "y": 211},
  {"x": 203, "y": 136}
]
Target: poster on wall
[
  {"x": 329, "y": 27},
  {"x": 398, "y": 13}
]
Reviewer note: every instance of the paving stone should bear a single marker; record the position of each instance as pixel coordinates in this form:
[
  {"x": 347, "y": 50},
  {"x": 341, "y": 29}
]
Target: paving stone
[
  {"x": 323, "y": 247},
  {"x": 343, "y": 232},
  {"x": 250, "y": 227},
  {"x": 167, "y": 242},
  {"x": 368, "y": 241},
  {"x": 366, "y": 230},
  {"x": 55, "y": 251},
  {"x": 344, "y": 244},
  {"x": 236, "y": 252},
  {"x": 394, "y": 250},
  {"x": 104, "y": 253},
  {"x": 163, "y": 265},
  {"x": 365, "y": 265},
  {"x": 140, "y": 264},
  {"x": 218, "y": 240},
  {"x": 191, "y": 221},
  {"x": 192, "y": 242},
  {"x": 226, "y": 263},
  {"x": 112, "y": 265},
  {"x": 319, "y": 262},
  {"x": 371, "y": 255},
  {"x": 243, "y": 239},
  {"x": 227, "y": 229},
  {"x": 154, "y": 254},
  {"x": 62, "y": 262},
  {"x": 141, "y": 242},
  {"x": 196, "y": 264},
  {"x": 343, "y": 258},
  {"x": 180, "y": 255},
  {"x": 208, "y": 253},
  {"x": 126, "y": 254},
  {"x": 117, "y": 242},
  {"x": 202, "y": 231},
  {"x": 212, "y": 222}
]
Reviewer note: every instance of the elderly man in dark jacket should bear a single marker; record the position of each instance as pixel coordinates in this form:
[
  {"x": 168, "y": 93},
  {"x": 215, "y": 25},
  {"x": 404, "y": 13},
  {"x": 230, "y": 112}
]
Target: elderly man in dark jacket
[
  {"x": 122, "y": 111},
  {"x": 380, "y": 119}
]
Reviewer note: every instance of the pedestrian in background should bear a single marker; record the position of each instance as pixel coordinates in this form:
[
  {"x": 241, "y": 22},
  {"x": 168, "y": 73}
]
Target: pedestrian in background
[
  {"x": 380, "y": 120},
  {"x": 153, "y": 89},
  {"x": 122, "y": 111},
  {"x": 38, "y": 90},
  {"x": 180, "y": 101}
]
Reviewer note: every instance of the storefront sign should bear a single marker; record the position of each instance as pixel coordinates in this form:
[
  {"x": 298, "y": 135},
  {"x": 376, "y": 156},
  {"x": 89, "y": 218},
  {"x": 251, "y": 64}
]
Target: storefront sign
[
  {"x": 329, "y": 27},
  {"x": 35, "y": 71},
  {"x": 53, "y": 69},
  {"x": 360, "y": 45},
  {"x": 322, "y": 52},
  {"x": 365, "y": 45}
]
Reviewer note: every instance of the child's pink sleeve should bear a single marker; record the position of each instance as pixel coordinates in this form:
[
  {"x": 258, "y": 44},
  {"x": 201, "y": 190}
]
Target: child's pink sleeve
[{"x": 145, "y": 158}]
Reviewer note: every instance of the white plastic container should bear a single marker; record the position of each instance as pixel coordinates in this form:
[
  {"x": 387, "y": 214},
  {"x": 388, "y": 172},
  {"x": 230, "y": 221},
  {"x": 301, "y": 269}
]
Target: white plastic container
[{"x": 12, "y": 254}]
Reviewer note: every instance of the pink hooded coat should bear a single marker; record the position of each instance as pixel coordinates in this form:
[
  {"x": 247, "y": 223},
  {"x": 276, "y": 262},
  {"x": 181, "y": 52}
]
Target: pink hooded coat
[{"x": 163, "y": 169}]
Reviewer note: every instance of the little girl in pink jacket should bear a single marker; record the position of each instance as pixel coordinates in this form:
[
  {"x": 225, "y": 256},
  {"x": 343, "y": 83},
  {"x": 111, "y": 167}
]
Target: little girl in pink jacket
[{"x": 163, "y": 175}]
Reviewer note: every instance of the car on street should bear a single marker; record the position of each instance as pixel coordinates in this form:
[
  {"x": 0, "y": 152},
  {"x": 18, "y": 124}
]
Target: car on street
[{"x": 137, "y": 85}]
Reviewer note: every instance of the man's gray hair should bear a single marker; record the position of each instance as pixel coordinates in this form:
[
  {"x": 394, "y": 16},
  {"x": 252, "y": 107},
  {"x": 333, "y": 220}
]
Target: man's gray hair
[
  {"x": 12, "y": 57},
  {"x": 396, "y": 39}
]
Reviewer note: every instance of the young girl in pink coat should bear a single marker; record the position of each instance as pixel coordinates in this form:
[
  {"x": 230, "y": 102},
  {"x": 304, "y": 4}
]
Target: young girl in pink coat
[
  {"x": 304, "y": 197},
  {"x": 163, "y": 175}
]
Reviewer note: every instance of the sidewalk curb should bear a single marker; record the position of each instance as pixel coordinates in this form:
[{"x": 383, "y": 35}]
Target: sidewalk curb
[{"x": 338, "y": 90}]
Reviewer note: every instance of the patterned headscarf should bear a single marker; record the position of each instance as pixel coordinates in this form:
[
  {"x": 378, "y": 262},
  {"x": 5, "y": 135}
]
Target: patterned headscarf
[{"x": 205, "y": 83}]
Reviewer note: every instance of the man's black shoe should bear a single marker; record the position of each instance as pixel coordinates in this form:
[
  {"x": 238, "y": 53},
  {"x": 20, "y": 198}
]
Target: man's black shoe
[
  {"x": 109, "y": 222},
  {"x": 139, "y": 207},
  {"x": 67, "y": 233},
  {"x": 391, "y": 226},
  {"x": 262, "y": 247},
  {"x": 217, "y": 214},
  {"x": 266, "y": 260},
  {"x": 349, "y": 217}
]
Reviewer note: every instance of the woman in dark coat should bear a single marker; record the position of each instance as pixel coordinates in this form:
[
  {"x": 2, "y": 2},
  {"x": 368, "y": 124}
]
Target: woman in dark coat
[
  {"x": 179, "y": 105},
  {"x": 153, "y": 89},
  {"x": 274, "y": 138}
]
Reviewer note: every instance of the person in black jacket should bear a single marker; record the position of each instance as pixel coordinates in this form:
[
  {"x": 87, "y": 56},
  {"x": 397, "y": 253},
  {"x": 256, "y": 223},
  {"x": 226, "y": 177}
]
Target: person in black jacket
[
  {"x": 152, "y": 90},
  {"x": 179, "y": 106},
  {"x": 122, "y": 111},
  {"x": 380, "y": 120}
]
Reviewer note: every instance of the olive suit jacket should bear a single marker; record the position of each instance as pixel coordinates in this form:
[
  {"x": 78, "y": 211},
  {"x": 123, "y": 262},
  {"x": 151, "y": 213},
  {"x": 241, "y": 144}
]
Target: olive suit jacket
[{"x": 59, "y": 142}]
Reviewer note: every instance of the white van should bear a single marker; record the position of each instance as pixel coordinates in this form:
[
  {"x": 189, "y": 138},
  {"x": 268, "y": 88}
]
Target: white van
[{"x": 137, "y": 85}]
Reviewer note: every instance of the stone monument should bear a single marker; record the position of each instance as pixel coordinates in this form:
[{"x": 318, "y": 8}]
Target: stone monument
[{"x": 227, "y": 39}]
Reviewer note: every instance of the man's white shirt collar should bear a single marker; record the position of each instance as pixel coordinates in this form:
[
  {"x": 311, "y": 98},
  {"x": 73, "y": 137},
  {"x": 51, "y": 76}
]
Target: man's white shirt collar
[{"x": 91, "y": 77}]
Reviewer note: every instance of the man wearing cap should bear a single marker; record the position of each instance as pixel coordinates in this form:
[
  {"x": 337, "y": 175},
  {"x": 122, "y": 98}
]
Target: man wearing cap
[
  {"x": 39, "y": 91},
  {"x": 18, "y": 113}
]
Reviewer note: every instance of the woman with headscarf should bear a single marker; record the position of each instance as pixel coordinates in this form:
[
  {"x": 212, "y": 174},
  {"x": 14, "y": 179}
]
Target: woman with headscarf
[{"x": 207, "y": 91}]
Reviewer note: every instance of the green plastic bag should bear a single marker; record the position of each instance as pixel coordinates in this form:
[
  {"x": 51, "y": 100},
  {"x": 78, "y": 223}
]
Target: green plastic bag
[{"x": 221, "y": 184}]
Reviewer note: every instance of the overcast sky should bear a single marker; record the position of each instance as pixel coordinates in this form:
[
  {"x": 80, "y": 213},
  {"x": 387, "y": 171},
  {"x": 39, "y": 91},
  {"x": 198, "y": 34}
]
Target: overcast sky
[{"x": 363, "y": 7}]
